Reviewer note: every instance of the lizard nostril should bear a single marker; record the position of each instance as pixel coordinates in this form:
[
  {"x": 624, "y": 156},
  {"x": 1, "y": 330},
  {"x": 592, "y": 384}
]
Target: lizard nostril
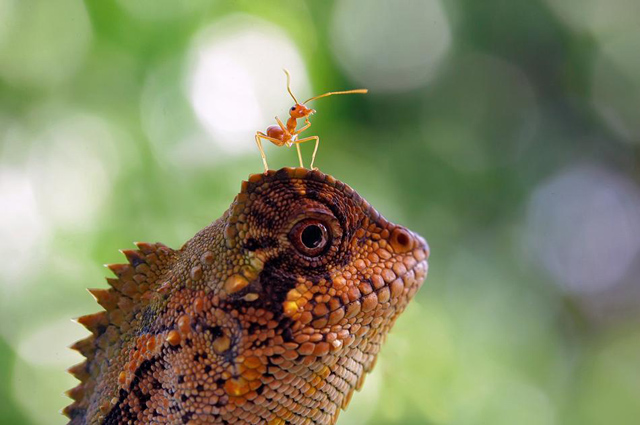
[{"x": 401, "y": 240}]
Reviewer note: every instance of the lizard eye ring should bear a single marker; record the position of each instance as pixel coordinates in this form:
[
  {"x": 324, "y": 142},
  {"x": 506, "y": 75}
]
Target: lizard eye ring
[{"x": 310, "y": 237}]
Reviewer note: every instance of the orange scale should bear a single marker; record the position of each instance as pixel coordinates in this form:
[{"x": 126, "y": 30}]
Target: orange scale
[
  {"x": 236, "y": 387},
  {"x": 251, "y": 374},
  {"x": 252, "y": 362},
  {"x": 184, "y": 324},
  {"x": 151, "y": 344},
  {"x": 173, "y": 338},
  {"x": 305, "y": 318},
  {"x": 316, "y": 381}
]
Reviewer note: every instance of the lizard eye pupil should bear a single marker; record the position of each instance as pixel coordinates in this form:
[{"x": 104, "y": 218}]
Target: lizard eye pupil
[{"x": 310, "y": 237}]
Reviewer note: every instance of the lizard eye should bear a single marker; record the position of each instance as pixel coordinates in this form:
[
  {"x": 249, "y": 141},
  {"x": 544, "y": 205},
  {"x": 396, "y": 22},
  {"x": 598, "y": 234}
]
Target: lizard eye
[{"x": 310, "y": 237}]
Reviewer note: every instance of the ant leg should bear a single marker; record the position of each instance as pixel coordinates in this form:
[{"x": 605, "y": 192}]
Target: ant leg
[
  {"x": 299, "y": 155},
  {"x": 264, "y": 157},
  {"x": 273, "y": 140},
  {"x": 281, "y": 124},
  {"x": 307, "y": 125},
  {"x": 315, "y": 149},
  {"x": 260, "y": 135}
]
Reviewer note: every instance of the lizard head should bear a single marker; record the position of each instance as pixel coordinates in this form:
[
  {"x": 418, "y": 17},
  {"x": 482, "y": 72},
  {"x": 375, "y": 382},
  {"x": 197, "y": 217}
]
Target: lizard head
[
  {"x": 290, "y": 292},
  {"x": 328, "y": 266}
]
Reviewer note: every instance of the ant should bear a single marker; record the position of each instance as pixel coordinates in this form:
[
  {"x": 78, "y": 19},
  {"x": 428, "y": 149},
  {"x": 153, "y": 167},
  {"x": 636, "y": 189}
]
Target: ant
[{"x": 281, "y": 135}]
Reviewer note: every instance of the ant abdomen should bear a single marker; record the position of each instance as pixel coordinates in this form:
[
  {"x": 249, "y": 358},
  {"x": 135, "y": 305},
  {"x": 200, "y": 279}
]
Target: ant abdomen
[{"x": 275, "y": 132}]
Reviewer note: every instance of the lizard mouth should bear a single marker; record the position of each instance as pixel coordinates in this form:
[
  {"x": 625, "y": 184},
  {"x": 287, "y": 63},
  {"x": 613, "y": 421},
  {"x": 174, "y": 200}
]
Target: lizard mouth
[
  {"x": 404, "y": 280},
  {"x": 397, "y": 292},
  {"x": 390, "y": 292}
]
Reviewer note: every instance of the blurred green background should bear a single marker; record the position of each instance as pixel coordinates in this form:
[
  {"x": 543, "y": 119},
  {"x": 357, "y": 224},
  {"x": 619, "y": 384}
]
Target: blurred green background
[{"x": 505, "y": 132}]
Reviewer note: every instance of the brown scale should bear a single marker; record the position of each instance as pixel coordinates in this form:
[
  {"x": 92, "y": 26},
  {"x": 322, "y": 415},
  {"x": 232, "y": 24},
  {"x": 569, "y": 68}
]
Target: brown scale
[{"x": 272, "y": 314}]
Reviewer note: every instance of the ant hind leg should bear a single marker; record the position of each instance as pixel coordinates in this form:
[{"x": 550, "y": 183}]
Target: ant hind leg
[
  {"x": 264, "y": 157},
  {"x": 315, "y": 150},
  {"x": 261, "y": 136}
]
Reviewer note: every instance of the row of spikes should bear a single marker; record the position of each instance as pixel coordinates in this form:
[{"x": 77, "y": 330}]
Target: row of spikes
[{"x": 134, "y": 283}]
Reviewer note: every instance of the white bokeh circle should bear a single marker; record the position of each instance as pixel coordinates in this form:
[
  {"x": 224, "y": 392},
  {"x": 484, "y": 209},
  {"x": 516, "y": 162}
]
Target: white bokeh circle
[
  {"x": 236, "y": 84},
  {"x": 583, "y": 227}
]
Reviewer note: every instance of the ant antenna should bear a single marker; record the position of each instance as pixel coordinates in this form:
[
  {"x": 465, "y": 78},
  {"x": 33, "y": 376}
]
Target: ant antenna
[
  {"x": 289, "y": 86},
  {"x": 331, "y": 93}
]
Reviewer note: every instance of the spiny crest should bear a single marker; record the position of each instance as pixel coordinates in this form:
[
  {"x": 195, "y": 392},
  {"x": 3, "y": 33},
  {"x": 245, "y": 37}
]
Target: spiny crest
[{"x": 133, "y": 287}]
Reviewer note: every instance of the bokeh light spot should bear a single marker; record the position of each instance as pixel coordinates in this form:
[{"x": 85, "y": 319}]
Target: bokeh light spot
[
  {"x": 390, "y": 47},
  {"x": 46, "y": 345},
  {"x": 236, "y": 84},
  {"x": 72, "y": 167},
  {"x": 22, "y": 234},
  {"x": 38, "y": 381},
  {"x": 583, "y": 226}
]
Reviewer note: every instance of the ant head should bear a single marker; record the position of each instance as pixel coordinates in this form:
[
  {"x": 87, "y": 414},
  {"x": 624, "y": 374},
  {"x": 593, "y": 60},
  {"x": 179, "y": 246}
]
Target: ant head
[{"x": 300, "y": 111}]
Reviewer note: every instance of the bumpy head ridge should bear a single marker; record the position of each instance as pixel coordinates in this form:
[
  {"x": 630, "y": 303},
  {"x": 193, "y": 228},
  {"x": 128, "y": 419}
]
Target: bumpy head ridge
[{"x": 272, "y": 314}]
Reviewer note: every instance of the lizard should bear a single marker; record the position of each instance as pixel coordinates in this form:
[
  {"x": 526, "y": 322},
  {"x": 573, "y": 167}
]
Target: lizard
[{"x": 272, "y": 314}]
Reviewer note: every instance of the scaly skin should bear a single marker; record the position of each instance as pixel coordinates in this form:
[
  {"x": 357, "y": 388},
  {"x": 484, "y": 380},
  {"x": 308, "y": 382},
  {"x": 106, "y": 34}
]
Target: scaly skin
[{"x": 255, "y": 320}]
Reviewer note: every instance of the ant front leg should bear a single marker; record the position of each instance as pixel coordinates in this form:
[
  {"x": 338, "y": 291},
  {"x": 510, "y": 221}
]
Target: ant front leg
[
  {"x": 315, "y": 149},
  {"x": 299, "y": 155},
  {"x": 307, "y": 125}
]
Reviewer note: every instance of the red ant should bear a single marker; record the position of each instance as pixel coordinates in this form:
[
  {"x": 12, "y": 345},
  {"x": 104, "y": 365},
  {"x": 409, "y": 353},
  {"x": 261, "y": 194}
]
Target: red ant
[{"x": 281, "y": 135}]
